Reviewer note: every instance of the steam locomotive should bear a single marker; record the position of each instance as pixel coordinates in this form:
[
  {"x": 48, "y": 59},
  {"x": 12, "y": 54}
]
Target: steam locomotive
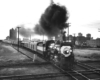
[{"x": 59, "y": 53}]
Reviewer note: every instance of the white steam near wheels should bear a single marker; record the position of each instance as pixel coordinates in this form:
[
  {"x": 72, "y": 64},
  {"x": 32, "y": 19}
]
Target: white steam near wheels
[{"x": 66, "y": 49}]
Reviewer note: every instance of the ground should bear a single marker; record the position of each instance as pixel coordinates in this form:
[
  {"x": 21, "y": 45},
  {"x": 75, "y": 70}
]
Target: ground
[
  {"x": 9, "y": 55},
  {"x": 87, "y": 54}
]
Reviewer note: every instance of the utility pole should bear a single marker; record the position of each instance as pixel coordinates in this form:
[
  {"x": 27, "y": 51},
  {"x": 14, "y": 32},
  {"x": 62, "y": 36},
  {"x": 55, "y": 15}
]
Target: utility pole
[
  {"x": 18, "y": 37},
  {"x": 74, "y": 39},
  {"x": 30, "y": 38},
  {"x": 68, "y": 30},
  {"x": 98, "y": 29},
  {"x": 68, "y": 33}
]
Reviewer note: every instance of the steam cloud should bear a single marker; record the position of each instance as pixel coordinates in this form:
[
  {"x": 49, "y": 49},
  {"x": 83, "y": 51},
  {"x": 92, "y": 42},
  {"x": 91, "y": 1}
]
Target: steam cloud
[
  {"x": 26, "y": 32},
  {"x": 52, "y": 21}
]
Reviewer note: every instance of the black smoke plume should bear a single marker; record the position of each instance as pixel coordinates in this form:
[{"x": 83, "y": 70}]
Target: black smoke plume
[
  {"x": 39, "y": 30},
  {"x": 53, "y": 20}
]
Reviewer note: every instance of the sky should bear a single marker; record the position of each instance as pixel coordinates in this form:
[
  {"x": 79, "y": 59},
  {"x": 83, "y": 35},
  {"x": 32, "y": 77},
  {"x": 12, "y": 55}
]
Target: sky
[{"x": 84, "y": 15}]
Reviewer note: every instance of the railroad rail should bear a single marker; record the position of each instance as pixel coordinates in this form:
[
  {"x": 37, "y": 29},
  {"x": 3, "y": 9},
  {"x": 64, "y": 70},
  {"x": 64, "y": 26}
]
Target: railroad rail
[
  {"x": 30, "y": 76},
  {"x": 24, "y": 64}
]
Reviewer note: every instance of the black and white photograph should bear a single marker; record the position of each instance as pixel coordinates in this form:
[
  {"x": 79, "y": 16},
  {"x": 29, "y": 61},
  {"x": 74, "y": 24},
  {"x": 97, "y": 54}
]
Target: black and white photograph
[{"x": 49, "y": 39}]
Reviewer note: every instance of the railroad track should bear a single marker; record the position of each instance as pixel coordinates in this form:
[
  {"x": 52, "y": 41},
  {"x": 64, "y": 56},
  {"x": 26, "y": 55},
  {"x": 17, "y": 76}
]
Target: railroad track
[
  {"x": 23, "y": 64},
  {"x": 30, "y": 76},
  {"x": 86, "y": 72},
  {"x": 72, "y": 75},
  {"x": 91, "y": 63}
]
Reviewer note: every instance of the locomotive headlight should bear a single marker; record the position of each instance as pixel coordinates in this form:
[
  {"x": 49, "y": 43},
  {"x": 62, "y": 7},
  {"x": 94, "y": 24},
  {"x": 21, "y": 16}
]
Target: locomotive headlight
[{"x": 66, "y": 51}]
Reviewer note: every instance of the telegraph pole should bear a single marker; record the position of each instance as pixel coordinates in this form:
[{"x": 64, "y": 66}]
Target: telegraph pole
[
  {"x": 30, "y": 38},
  {"x": 68, "y": 33},
  {"x": 18, "y": 37},
  {"x": 68, "y": 30},
  {"x": 74, "y": 39}
]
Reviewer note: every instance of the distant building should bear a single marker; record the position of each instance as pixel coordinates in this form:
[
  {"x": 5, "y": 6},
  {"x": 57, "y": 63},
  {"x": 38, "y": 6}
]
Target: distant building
[
  {"x": 80, "y": 40},
  {"x": 98, "y": 39},
  {"x": 80, "y": 34},
  {"x": 93, "y": 43},
  {"x": 88, "y": 36},
  {"x": 13, "y": 34},
  {"x": 69, "y": 38},
  {"x": 7, "y": 38}
]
